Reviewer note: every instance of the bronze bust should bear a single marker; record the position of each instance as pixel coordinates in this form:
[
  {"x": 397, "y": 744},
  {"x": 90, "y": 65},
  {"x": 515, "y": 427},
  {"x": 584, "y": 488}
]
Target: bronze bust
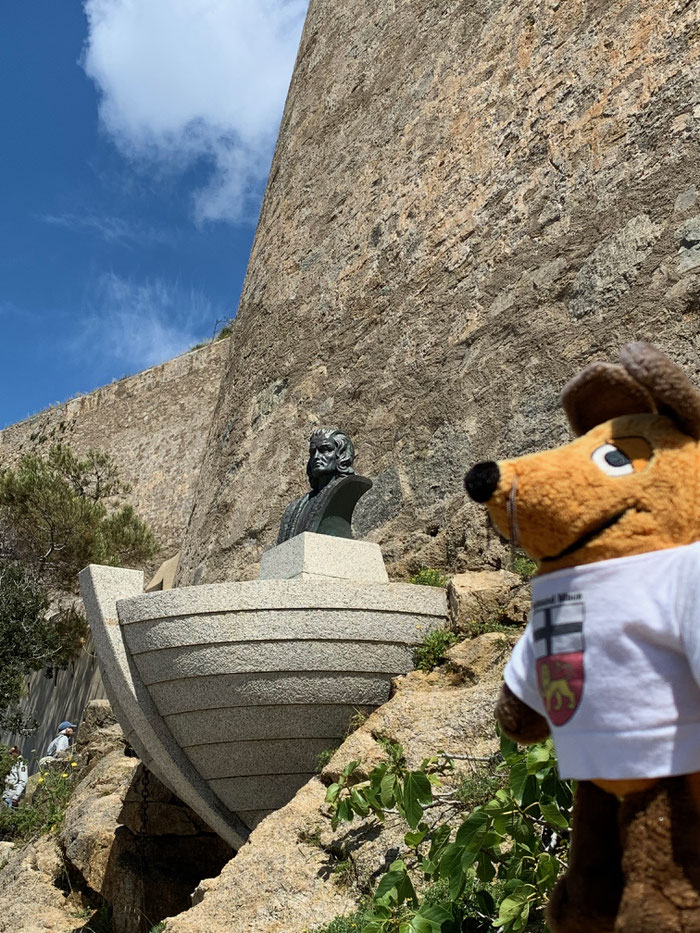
[{"x": 335, "y": 489}]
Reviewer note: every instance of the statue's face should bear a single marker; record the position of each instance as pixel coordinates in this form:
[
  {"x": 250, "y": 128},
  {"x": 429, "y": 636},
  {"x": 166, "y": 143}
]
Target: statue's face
[{"x": 323, "y": 457}]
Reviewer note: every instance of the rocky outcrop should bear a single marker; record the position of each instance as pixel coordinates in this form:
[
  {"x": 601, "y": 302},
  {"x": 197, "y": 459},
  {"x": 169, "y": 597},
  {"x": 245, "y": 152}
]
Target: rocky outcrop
[
  {"x": 31, "y": 898},
  {"x": 467, "y": 202},
  {"x": 283, "y": 879},
  {"x": 99, "y": 734},
  {"x": 127, "y": 847},
  {"x": 479, "y": 597}
]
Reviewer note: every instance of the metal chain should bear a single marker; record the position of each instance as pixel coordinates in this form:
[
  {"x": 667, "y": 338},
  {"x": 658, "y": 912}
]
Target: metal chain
[{"x": 141, "y": 839}]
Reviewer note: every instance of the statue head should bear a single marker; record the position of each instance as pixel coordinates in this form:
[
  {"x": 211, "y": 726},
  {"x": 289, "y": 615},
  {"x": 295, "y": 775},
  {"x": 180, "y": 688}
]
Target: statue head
[{"x": 331, "y": 454}]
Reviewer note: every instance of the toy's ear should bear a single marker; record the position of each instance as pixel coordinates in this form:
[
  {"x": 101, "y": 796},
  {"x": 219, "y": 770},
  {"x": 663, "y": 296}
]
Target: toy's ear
[
  {"x": 672, "y": 391},
  {"x": 600, "y": 392}
]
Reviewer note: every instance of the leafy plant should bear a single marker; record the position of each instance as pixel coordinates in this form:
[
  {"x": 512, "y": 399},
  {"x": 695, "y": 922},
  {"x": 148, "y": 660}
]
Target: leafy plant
[
  {"x": 45, "y": 811},
  {"x": 477, "y": 627},
  {"x": 324, "y": 757},
  {"x": 427, "y": 656},
  {"x": 348, "y": 923},
  {"x": 501, "y": 864},
  {"x": 428, "y": 576},
  {"x": 480, "y": 785},
  {"x": 525, "y": 566},
  {"x": 343, "y": 871},
  {"x": 57, "y": 513}
]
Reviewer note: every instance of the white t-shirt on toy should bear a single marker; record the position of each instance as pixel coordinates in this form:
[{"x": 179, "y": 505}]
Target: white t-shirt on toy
[{"x": 611, "y": 656}]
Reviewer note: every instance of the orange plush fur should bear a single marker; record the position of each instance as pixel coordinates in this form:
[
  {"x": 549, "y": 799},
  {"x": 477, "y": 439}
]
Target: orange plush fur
[{"x": 635, "y": 859}]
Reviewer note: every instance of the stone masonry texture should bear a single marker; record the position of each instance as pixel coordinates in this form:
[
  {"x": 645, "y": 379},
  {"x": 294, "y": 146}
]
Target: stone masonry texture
[
  {"x": 469, "y": 200},
  {"x": 154, "y": 425}
]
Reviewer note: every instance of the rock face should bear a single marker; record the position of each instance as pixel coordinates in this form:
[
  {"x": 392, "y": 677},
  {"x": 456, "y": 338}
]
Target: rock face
[
  {"x": 283, "y": 879},
  {"x": 478, "y": 597},
  {"x": 30, "y": 899},
  {"x": 126, "y": 843},
  {"x": 467, "y": 202}
]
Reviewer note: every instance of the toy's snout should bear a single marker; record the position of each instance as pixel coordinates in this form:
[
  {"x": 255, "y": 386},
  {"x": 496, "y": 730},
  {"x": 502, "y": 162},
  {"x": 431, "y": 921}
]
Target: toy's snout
[{"x": 482, "y": 480}]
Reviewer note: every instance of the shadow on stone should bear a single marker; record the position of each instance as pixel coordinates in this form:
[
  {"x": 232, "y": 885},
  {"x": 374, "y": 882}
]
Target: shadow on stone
[{"x": 161, "y": 851}]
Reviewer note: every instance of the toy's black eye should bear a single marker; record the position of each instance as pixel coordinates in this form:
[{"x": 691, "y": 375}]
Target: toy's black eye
[{"x": 612, "y": 460}]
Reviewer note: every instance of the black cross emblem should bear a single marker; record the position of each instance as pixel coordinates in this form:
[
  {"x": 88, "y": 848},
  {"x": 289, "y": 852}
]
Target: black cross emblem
[{"x": 549, "y": 629}]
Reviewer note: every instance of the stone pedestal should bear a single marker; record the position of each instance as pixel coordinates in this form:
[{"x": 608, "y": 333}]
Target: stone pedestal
[{"x": 310, "y": 556}]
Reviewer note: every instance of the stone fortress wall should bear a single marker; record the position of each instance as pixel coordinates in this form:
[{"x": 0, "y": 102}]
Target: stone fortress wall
[
  {"x": 468, "y": 201},
  {"x": 155, "y": 425}
]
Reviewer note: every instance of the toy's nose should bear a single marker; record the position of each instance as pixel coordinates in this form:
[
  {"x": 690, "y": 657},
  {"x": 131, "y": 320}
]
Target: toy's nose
[{"x": 481, "y": 480}]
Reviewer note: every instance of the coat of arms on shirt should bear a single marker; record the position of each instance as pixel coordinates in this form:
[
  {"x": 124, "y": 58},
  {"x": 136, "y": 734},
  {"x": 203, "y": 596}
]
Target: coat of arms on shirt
[{"x": 558, "y": 635}]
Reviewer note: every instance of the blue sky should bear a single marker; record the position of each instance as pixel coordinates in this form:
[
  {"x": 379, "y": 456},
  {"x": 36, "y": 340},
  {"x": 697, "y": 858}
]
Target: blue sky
[{"x": 137, "y": 138}]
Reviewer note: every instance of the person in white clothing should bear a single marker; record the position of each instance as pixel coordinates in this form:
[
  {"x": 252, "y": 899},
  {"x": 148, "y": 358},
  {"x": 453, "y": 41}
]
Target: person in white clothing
[{"x": 16, "y": 780}]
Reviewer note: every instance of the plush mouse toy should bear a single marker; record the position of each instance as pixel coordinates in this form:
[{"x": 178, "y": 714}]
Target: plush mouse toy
[{"x": 610, "y": 660}]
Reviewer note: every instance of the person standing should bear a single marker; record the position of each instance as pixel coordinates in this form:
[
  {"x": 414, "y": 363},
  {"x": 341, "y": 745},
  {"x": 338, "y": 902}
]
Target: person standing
[
  {"x": 62, "y": 740},
  {"x": 16, "y": 780}
]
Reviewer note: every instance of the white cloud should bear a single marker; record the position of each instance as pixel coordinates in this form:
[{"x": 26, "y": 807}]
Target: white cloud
[
  {"x": 186, "y": 79},
  {"x": 141, "y": 324},
  {"x": 112, "y": 229}
]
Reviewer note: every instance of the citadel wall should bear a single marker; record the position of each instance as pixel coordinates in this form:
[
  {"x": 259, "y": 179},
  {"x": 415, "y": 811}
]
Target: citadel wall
[
  {"x": 468, "y": 200},
  {"x": 155, "y": 425}
]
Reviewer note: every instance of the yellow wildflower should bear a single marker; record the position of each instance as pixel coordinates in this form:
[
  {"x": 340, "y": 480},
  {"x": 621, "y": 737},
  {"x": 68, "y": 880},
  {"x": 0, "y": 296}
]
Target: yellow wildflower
[
  {"x": 41, "y": 780},
  {"x": 65, "y": 774},
  {"x": 74, "y": 764}
]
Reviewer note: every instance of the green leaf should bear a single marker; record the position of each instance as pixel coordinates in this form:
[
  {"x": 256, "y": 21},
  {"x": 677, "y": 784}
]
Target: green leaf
[
  {"x": 485, "y": 868},
  {"x": 396, "y": 880},
  {"x": 413, "y": 793},
  {"x": 350, "y": 767},
  {"x": 387, "y": 789},
  {"x": 332, "y": 793},
  {"x": 413, "y": 840},
  {"x": 441, "y": 837},
  {"x": 423, "y": 787},
  {"x": 537, "y": 756},
  {"x": 473, "y": 830},
  {"x": 512, "y": 906},
  {"x": 345, "y": 811},
  {"x": 485, "y": 902},
  {"x": 531, "y": 791},
  {"x": 520, "y": 922},
  {"x": 547, "y": 871},
  {"x": 451, "y": 869},
  {"x": 518, "y": 779},
  {"x": 509, "y": 748},
  {"x": 434, "y": 917},
  {"x": 553, "y": 815}
]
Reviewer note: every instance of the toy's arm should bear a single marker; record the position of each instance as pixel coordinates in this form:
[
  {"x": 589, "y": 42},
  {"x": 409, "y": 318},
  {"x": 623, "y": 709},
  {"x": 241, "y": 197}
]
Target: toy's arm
[{"x": 518, "y": 720}]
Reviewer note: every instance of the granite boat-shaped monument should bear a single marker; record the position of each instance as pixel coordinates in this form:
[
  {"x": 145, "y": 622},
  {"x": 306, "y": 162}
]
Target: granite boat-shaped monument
[{"x": 228, "y": 692}]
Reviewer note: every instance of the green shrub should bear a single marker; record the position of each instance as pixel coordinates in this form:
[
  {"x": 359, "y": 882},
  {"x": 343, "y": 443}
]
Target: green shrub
[
  {"x": 427, "y": 656},
  {"x": 324, "y": 757},
  {"x": 428, "y": 576},
  {"x": 45, "y": 811},
  {"x": 348, "y": 923},
  {"x": 58, "y": 513},
  {"x": 497, "y": 870},
  {"x": 490, "y": 625},
  {"x": 525, "y": 566},
  {"x": 480, "y": 785}
]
